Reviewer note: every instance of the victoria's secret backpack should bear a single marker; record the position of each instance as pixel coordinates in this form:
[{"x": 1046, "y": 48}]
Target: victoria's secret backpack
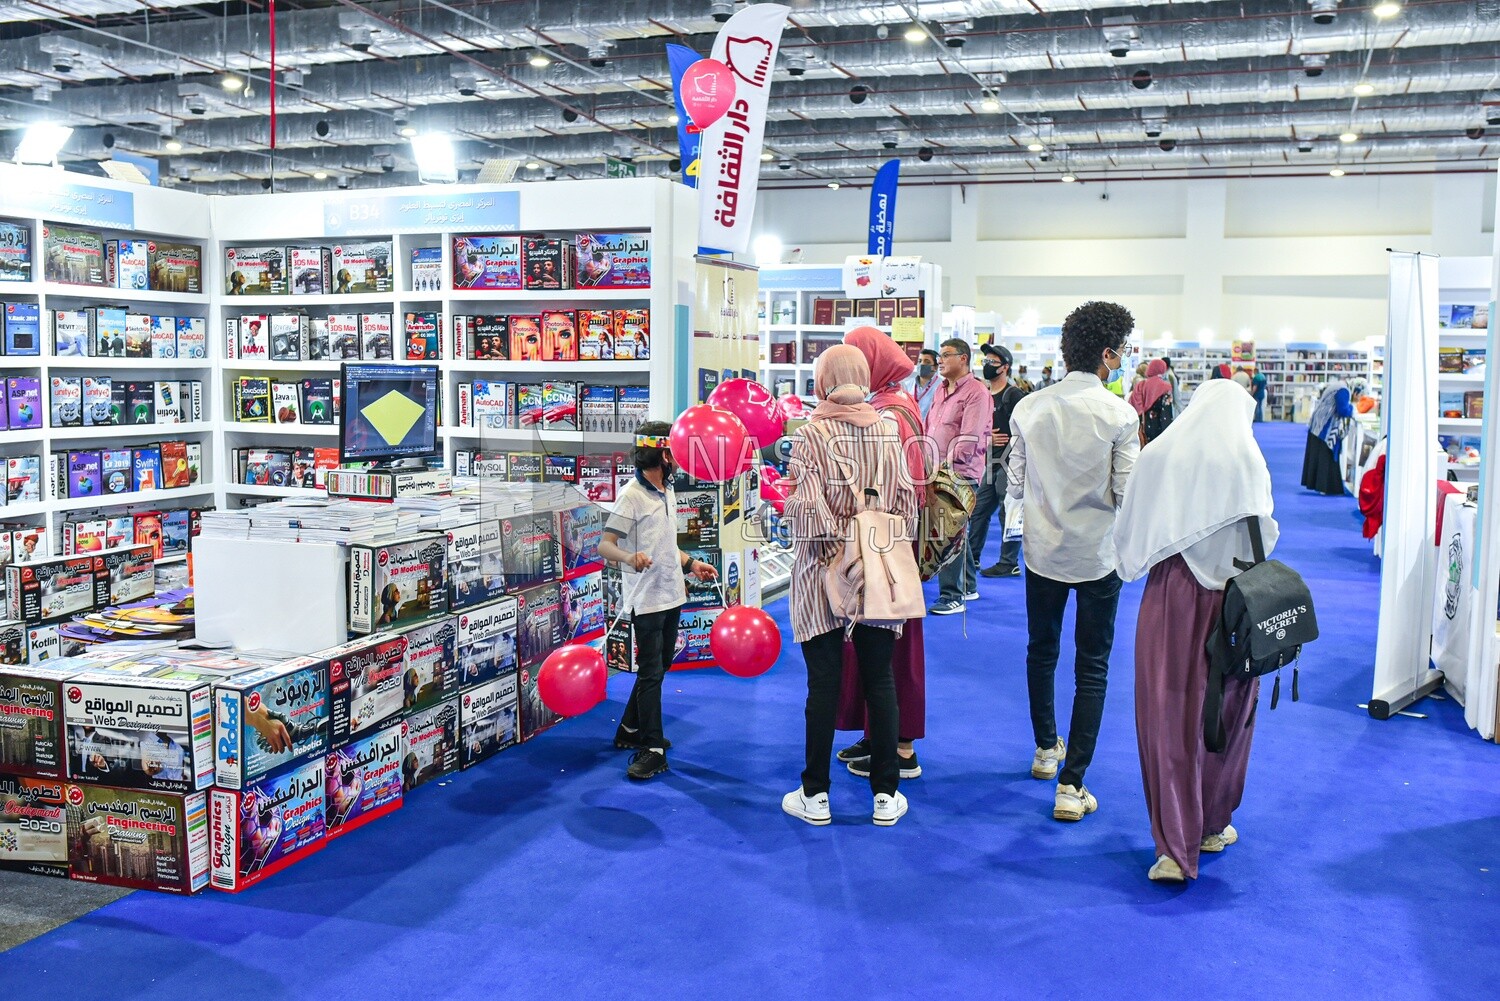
[{"x": 1268, "y": 616}]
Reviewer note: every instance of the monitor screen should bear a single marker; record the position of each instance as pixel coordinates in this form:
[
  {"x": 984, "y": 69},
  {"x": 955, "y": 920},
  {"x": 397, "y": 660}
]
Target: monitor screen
[{"x": 389, "y": 412}]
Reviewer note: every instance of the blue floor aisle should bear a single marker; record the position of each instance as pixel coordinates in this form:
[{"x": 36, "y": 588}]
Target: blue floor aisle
[{"x": 1366, "y": 867}]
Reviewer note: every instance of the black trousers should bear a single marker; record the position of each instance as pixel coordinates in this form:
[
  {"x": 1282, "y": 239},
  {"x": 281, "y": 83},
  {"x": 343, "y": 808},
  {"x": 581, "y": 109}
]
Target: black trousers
[
  {"x": 825, "y": 673},
  {"x": 1093, "y": 637},
  {"x": 991, "y": 500},
  {"x": 655, "y": 643}
]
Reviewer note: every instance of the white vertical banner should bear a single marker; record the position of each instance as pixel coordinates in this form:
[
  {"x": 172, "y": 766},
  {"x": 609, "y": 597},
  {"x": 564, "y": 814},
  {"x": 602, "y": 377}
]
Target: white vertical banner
[
  {"x": 1481, "y": 708},
  {"x": 729, "y": 164},
  {"x": 1408, "y": 553}
]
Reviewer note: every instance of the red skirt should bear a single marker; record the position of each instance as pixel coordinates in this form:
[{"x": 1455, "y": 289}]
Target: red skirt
[{"x": 909, "y": 667}]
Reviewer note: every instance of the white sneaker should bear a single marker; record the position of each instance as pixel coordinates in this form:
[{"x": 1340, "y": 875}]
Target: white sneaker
[
  {"x": 1167, "y": 871},
  {"x": 889, "y": 809},
  {"x": 1045, "y": 762},
  {"x": 1219, "y": 842},
  {"x": 972, "y": 596},
  {"x": 1073, "y": 802},
  {"x": 813, "y": 809}
]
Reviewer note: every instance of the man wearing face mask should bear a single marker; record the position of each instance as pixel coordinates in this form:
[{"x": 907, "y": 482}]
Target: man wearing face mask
[
  {"x": 1072, "y": 448},
  {"x": 1005, "y": 394},
  {"x": 924, "y": 382}
]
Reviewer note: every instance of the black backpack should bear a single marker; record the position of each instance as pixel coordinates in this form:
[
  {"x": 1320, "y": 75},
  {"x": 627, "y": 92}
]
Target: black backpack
[{"x": 1268, "y": 616}]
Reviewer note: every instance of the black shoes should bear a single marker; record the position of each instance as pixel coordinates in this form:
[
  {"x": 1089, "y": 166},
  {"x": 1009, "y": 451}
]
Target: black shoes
[
  {"x": 630, "y": 740},
  {"x": 859, "y": 749},
  {"x": 910, "y": 769},
  {"x": 645, "y": 764},
  {"x": 998, "y": 570}
]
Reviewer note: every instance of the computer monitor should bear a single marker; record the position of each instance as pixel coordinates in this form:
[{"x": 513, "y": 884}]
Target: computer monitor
[{"x": 389, "y": 412}]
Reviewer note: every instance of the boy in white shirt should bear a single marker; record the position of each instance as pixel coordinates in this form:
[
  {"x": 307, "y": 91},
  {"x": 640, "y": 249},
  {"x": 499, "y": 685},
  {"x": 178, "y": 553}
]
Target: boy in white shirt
[{"x": 645, "y": 520}]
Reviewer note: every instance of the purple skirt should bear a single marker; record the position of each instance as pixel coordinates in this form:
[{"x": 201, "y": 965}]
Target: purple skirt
[
  {"x": 1190, "y": 792},
  {"x": 909, "y": 667}
]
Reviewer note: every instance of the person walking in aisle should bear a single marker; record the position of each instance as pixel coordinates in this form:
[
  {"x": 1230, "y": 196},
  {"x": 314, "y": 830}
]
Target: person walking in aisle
[
  {"x": 1184, "y": 523},
  {"x": 1258, "y": 390},
  {"x": 959, "y": 426},
  {"x": 1047, "y": 379},
  {"x": 992, "y": 491},
  {"x": 845, "y": 447},
  {"x": 1321, "y": 467},
  {"x": 889, "y": 365},
  {"x": 925, "y": 384},
  {"x": 1171, "y": 378},
  {"x": 1151, "y": 398},
  {"x": 645, "y": 518},
  {"x": 1072, "y": 449}
]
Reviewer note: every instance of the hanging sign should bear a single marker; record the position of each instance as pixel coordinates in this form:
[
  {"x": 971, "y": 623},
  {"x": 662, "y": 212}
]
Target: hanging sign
[
  {"x": 484, "y": 211},
  {"x": 883, "y": 209},
  {"x": 679, "y": 58},
  {"x": 730, "y": 170},
  {"x": 618, "y": 168}
]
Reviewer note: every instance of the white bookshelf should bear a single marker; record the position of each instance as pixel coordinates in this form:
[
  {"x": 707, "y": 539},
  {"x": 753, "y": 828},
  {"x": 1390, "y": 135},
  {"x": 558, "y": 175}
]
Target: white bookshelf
[
  {"x": 37, "y": 197},
  {"x": 664, "y": 211},
  {"x": 1462, "y": 282},
  {"x": 787, "y": 294},
  {"x": 1294, "y": 371}
]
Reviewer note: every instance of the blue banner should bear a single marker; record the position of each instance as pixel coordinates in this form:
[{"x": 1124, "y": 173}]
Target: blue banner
[
  {"x": 479, "y": 211},
  {"x": 883, "y": 209},
  {"x": 679, "y": 58},
  {"x": 65, "y": 202}
]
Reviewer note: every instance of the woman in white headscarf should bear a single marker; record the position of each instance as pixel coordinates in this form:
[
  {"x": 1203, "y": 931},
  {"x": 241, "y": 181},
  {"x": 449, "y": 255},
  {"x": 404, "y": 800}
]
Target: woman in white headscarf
[{"x": 1183, "y": 522}]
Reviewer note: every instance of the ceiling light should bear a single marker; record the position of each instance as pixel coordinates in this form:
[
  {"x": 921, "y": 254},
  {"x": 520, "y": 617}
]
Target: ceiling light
[
  {"x": 914, "y": 33},
  {"x": 1385, "y": 9},
  {"x": 406, "y": 131},
  {"x": 1364, "y": 89},
  {"x": 320, "y": 175},
  {"x": 1035, "y": 147},
  {"x": 232, "y": 83},
  {"x": 767, "y": 249},
  {"x": 434, "y": 155},
  {"x": 1068, "y": 178},
  {"x": 1348, "y": 137},
  {"x": 833, "y": 185},
  {"x": 1336, "y": 172},
  {"x": 767, "y": 157},
  {"x": 672, "y": 119},
  {"x": 41, "y": 143},
  {"x": 172, "y": 146},
  {"x": 533, "y": 165},
  {"x": 990, "y": 102},
  {"x": 540, "y": 60}
]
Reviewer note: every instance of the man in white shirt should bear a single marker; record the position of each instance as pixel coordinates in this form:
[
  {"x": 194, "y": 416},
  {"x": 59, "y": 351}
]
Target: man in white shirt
[{"x": 1073, "y": 445}]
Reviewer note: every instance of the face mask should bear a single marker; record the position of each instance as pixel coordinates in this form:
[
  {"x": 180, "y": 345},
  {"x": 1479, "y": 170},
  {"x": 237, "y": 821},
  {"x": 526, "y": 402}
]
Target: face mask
[
  {"x": 925, "y": 371},
  {"x": 1116, "y": 367},
  {"x": 991, "y": 371}
]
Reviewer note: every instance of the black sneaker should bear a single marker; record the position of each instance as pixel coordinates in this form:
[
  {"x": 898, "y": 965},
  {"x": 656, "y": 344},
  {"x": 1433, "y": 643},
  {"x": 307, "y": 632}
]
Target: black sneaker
[
  {"x": 1000, "y": 570},
  {"x": 630, "y": 740},
  {"x": 859, "y": 749},
  {"x": 910, "y": 768},
  {"x": 645, "y": 764}
]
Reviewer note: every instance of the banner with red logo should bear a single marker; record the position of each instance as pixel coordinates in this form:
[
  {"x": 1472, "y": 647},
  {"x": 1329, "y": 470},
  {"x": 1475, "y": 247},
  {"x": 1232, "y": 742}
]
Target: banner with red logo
[{"x": 729, "y": 170}]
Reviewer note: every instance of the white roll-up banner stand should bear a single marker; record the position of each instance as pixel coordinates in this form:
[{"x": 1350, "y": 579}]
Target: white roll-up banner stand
[{"x": 1403, "y": 668}]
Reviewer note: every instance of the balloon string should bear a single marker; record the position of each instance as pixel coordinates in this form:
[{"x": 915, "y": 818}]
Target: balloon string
[{"x": 627, "y": 600}]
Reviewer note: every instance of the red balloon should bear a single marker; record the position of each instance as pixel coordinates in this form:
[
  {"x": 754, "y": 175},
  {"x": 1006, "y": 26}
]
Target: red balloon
[
  {"x": 707, "y": 91},
  {"x": 791, "y": 406},
  {"x": 769, "y": 476},
  {"x": 711, "y": 444},
  {"x": 745, "y": 641},
  {"x": 754, "y": 405},
  {"x": 571, "y": 679}
]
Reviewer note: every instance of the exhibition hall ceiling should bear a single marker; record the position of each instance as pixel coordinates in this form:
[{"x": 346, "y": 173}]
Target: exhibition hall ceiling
[{"x": 992, "y": 89}]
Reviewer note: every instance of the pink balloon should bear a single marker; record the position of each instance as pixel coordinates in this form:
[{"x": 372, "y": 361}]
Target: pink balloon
[
  {"x": 711, "y": 444},
  {"x": 791, "y": 406},
  {"x": 754, "y": 405},
  {"x": 707, "y": 92},
  {"x": 571, "y": 679},
  {"x": 768, "y": 477},
  {"x": 745, "y": 641}
]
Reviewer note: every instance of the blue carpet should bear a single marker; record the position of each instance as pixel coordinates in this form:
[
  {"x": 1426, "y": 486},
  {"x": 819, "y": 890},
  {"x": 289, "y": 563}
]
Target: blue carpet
[{"x": 1364, "y": 869}]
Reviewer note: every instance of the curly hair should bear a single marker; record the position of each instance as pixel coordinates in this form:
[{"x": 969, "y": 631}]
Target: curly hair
[
  {"x": 1091, "y": 329},
  {"x": 649, "y": 457}
]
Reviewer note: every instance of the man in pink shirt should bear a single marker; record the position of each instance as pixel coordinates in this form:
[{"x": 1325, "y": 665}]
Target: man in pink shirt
[{"x": 959, "y": 426}]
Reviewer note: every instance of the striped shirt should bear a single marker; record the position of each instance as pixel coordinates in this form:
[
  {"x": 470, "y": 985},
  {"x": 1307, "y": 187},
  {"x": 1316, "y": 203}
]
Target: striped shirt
[{"x": 822, "y": 502}]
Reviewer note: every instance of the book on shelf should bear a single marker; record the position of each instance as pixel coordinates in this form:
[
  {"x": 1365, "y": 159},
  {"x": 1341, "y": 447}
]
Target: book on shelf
[
  {"x": 1474, "y": 404},
  {"x": 1450, "y": 360},
  {"x": 1450, "y": 405}
]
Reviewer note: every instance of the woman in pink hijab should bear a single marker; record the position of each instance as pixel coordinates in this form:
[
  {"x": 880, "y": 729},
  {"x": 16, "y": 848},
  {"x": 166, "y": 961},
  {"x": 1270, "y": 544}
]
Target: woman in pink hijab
[
  {"x": 889, "y": 366},
  {"x": 1152, "y": 399},
  {"x": 846, "y": 447}
]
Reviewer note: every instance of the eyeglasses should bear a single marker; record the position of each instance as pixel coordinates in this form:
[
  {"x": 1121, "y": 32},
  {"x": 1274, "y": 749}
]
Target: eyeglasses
[{"x": 949, "y": 354}]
